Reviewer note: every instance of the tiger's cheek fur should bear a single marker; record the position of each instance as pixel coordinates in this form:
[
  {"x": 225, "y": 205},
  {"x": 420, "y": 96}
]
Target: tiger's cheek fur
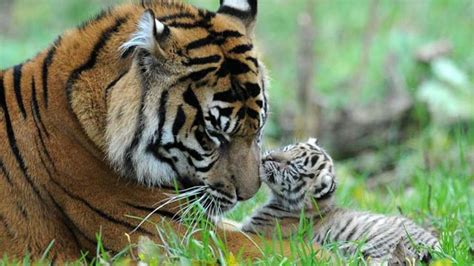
[{"x": 131, "y": 124}]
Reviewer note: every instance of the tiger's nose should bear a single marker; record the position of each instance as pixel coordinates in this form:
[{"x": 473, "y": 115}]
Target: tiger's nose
[{"x": 243, "y": 196}]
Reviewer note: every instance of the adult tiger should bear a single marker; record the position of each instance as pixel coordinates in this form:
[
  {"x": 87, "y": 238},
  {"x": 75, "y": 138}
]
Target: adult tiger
[{"x": 160, "y": 92}]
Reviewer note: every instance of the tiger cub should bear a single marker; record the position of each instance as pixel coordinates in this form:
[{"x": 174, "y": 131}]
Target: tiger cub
[{"x": 301, "y": 177}]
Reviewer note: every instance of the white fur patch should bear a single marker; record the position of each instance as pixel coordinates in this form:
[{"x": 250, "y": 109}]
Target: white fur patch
[
  {"x": 144, "y": 36},
  {"x": 160, "y": 27},
  {"x": 122, "y": 121},
  {"x": 313, "y": 141},
  {"x": 242, "y": 5}
]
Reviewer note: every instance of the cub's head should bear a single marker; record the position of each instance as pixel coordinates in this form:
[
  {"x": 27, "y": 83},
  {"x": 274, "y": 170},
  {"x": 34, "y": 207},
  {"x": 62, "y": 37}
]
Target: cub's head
[
  {"x": 192, "y": 106},
  {"x": 298, "y": 174}
]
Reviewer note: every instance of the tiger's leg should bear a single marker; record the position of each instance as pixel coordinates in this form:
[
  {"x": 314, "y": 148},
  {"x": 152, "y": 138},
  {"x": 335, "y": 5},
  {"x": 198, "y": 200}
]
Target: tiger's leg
[
  {"x": 231, "y": 230},
  {"x": 248, "y": 246},
  {"x": 26, "y": 229}
]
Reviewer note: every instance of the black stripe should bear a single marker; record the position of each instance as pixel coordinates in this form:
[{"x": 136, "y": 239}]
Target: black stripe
[
  {"x": 258, "y": 218},
  {"x": 208, "y": 40},
  {"x": 232, "y": 66},
  {"x": 140, "y": 126},
  {"x": 46, "y": 64},
  {"x": 14, "y": 147},
  {"x": 240, "y": 49},
  {"x": 203, "y": 60},
  {"x": 3, "y": 106},
  {"x": 35, "y": 109},
  {"x": 168, "y": 214},
  {"x": 37, "y": 121},
  {"x": 276, "y": 207},
  {"x": 67, "y": 221},
  {"x": 128, "y": 52},
  {"x": 252, "y": 113},
  {"x": 99, "y": 212},
  {"x": 228, "y": 96},
  {"x": 228, "y": 34},
  {"x": 198, "y": 75},
  {"x": 5, "y": 173},
  {"x": 214, "y": 38},
  {"x": 385, "y": 240},
  {"x": 42, "y": 160},
  {"x": 162, "y": 115},
  {"x": 108, "y": 33},
  {"x": 180, "y": 146},
  {"x": 259, "y": 223},
  {"x": 341, "y": 231},
  {"x": 8, "y": 230},
  {"x": 188, "y": 25},
  {"x": 22, "y": 210},
  {"x": 254, "y": 61},
  {"x": 113, "y": 83},
  {"x": 17, "y": 86},
  {"x": 190, "y": 98},
  {"x": 206, "y": 169},
  {"x": 296, "y": 189},
  {"x": 160, "y": 157},
  {"x": 253, "y": 89},
  {"x": 179, "y": 120},
  {"x": 321, "y": 167},
  {"x": 176, "y": 16},
  {"x": 71, "y": 226},
  {"x": 136, "y": 139}
]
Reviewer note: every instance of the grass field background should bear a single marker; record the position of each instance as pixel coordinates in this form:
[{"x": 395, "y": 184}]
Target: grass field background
[{"x": 432, "y": 175}]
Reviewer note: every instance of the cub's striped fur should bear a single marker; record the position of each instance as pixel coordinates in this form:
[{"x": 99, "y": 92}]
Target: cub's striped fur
[
  {"x": 148, "y": 94},
  {"x": 301, "y": 179}
]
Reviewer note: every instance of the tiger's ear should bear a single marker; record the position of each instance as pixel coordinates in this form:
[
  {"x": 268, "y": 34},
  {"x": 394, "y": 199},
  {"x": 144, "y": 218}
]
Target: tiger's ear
[
  {"x": 244, "y": 10},
  {"x": 151, "y": 35},
  {"x": 313, "y": 141}
]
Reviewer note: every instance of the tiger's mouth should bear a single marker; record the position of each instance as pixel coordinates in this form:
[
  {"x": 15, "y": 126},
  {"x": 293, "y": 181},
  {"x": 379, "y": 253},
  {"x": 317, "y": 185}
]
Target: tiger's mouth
[
  {"x": 213, "y": 202},
  {"x": 220, "y": 202}
]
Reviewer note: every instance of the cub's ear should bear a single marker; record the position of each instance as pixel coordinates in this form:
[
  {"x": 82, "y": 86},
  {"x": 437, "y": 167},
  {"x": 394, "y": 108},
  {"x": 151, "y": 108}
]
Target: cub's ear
[
  {"x": 313, "y": 141},
  {"x": 245, "y": 10},
  {"x": 151, "y": 35}
]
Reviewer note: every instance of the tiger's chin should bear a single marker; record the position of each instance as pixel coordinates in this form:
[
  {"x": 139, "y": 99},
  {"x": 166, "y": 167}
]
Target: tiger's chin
[
  {"x": 211, "y": 202},
  {"x": 216, "y": 204}
]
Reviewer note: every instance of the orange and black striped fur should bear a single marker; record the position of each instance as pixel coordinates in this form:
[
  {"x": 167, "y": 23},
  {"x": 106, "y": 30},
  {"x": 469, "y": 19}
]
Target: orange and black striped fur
[
  {"x": 301, "y": 178},
  {"x": 98, "y": 125}
]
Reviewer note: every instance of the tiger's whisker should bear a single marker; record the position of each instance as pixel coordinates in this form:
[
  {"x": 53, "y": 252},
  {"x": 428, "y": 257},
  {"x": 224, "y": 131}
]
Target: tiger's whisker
[{"x": 169, "y": 201}]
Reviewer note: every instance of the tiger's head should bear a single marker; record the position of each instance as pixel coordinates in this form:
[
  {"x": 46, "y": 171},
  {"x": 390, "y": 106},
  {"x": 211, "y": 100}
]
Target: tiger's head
[
  {"x": 192, "y": 106},
  {"x": 299, "y": 174}
]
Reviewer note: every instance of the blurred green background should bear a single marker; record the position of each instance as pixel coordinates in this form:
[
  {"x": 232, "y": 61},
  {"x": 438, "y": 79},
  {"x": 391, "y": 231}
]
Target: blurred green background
[{"x": 386, "y": 85}]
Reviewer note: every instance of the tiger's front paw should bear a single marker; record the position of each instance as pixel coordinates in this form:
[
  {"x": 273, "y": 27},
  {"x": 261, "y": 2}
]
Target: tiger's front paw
[{"x": 325, "y": 187}]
